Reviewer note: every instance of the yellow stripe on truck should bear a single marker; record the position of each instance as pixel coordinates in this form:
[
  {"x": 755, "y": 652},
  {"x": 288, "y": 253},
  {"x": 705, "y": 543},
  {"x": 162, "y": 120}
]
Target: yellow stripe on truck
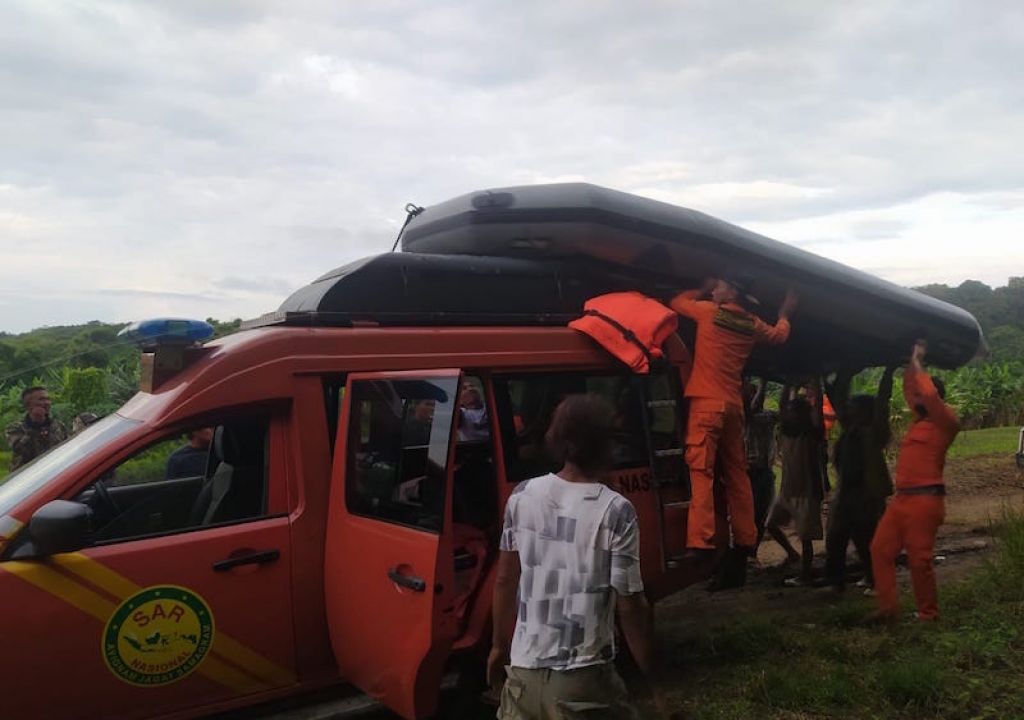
[
  {"x": 227, "y": 647},
  {"x": 253, "y": 662},
  {"x": 64, "y": 588},
  {"x": 60, "y": 586},
  {"x": 98, "y": 574}
]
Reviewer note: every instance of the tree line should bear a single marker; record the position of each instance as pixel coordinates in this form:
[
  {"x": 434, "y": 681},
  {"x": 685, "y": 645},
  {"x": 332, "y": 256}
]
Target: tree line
[{"x": 87, "y": 368}]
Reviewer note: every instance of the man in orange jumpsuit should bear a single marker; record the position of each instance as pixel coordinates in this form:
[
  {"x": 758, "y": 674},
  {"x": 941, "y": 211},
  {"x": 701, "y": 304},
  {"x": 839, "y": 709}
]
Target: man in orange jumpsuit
[
  {"x": 915, "y": 513},
  {"x": 726, "y": 335}
]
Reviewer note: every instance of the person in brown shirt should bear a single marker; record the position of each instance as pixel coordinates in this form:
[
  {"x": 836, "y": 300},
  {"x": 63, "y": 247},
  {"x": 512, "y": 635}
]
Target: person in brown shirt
[{"x": 37, "y": 431}]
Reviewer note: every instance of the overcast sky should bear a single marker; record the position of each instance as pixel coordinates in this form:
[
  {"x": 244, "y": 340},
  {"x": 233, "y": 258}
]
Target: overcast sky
[{"x": 206, "y": 157}]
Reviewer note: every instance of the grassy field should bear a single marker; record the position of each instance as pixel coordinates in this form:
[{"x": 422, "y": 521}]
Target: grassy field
[
  {"x": 985, "y": 442},
  {"x": 824, "y": 662}
]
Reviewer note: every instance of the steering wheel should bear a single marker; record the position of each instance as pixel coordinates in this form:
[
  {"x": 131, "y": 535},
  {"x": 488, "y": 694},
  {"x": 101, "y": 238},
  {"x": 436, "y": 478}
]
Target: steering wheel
[{"x": 106, "y": 500}]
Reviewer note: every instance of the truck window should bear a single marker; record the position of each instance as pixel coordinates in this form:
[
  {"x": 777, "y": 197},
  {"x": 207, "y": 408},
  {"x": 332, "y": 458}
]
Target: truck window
[
  {"x": 208, "y": 475},
  {"x": 474, "y": 491},
  {"x": 28, "y": 479},
  {"x": 398, "y": 449},
  {"x": 527, "y": 402}
]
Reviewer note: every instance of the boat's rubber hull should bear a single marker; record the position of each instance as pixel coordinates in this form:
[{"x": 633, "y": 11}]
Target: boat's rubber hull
[{"x": 845, "y": 315}]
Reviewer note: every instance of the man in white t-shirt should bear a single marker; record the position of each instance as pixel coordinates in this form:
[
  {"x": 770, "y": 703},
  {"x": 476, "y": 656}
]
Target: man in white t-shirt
[{"x": 570, "y": 559}]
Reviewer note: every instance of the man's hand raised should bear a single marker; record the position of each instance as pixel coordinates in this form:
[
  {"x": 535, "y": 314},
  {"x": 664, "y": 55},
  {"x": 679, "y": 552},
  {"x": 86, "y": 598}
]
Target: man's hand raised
[
  {"x": 789, "y": 304},
  {"x": 919, "y": 351}
]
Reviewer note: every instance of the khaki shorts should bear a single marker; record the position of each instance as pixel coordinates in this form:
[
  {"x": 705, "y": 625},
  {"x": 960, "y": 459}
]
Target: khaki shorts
[{"x": 596, "y": 692}]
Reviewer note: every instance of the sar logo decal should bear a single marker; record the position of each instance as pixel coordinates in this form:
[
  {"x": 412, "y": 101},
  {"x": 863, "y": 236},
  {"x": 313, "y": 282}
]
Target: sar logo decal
[{"x": 158, "y": 635}]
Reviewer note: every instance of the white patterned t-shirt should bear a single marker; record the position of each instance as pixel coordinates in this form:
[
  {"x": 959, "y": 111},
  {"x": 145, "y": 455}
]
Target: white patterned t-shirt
[{"x": 576, "y": 542}]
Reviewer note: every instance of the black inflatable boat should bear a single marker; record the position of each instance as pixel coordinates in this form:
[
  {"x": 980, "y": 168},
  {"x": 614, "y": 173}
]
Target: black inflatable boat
[{"x": 845, "y": 315}]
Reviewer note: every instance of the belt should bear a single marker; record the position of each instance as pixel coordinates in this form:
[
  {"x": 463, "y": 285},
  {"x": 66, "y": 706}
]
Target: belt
[{"x": 938, "y": 490}]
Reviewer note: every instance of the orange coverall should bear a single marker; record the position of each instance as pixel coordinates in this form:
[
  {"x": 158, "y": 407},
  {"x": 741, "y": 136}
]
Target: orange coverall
[
  {"x": 911, "y": 521},
  {"x": 828, "y": 413},
  {"x": 726, "y": 335}
]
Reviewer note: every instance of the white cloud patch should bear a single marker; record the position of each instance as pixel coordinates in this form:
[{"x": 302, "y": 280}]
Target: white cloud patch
[{"x": 209, "y": 157}]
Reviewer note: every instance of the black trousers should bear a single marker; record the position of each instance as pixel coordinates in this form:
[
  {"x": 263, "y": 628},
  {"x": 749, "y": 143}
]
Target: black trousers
[
  {"x": 762, "y": 484},
  {"x": 851, "y": 519}
]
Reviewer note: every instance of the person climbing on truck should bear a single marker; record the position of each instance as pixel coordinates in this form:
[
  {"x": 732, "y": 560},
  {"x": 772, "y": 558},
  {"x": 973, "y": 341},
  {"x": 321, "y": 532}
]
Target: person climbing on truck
[{"x": 726, "y": 335}]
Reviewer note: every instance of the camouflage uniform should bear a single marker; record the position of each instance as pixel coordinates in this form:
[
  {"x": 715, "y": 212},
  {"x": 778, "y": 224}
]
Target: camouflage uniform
[{"x": 28, "y": 440}]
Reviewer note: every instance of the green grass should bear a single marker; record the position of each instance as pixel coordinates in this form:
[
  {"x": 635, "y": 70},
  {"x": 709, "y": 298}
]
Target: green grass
[
  {"x": 824, "y": 662},
  {"x": 970, "y": 443}
]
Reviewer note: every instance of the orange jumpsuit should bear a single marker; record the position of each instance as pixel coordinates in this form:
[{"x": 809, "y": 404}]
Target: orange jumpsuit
[
  {"x": 828, "y": 414},
  {"x": 912, "y": 519},
  {"x": 726, "y": 335}
]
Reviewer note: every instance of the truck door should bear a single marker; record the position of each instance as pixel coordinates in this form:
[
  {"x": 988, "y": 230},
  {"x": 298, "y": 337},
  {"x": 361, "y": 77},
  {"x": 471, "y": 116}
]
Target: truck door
[
  {"x": 389, "y": 570},
  {"x": 179, "y": 599}
]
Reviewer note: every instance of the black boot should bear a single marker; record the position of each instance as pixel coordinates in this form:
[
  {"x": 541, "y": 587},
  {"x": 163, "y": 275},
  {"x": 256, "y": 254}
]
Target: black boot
[{"x": 731, "y": 571}]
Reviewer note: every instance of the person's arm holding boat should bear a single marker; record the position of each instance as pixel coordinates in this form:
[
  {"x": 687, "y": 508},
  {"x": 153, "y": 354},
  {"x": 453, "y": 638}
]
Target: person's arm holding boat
[
  {"x": 691, "y": 303},
  {"x": 779, "y": 332}
]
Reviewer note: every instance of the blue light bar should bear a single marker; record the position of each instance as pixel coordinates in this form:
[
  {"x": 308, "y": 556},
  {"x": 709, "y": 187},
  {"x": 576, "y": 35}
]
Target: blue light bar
[{"x": 167, "y": 331}]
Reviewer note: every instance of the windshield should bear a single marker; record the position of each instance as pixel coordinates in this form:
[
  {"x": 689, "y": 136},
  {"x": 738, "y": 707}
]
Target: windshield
[{"x": 27, "y": 479}]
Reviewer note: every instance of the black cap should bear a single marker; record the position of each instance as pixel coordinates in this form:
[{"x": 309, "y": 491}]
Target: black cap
[{"x": 743, "y": 283}]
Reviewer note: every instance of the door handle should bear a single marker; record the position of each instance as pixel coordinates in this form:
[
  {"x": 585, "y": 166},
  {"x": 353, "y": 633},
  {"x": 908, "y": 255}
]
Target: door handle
[
  {"x": 412, "y": 582},
  {"x": 260, "y": 557}
]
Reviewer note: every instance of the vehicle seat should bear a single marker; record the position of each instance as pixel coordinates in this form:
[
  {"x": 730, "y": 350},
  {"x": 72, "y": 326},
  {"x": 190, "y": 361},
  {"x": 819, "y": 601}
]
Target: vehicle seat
[{"x": 235, "y": 489}]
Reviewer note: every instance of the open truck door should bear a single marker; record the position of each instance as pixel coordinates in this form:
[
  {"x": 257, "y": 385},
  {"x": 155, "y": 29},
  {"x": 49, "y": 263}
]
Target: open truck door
[{"x": 389, "y": 570}]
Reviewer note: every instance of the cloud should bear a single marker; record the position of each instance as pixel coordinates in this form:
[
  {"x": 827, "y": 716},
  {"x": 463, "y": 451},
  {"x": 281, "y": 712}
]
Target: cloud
[
  {"x": 256, "y": 286},
  {"x": 156, "y": 294},
  {"x": 182, "y": 147}
]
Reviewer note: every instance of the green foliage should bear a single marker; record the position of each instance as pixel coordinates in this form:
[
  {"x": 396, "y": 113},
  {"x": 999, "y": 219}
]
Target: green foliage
[
  {"x": 987, "y": 395},
  {"x": 86, "y": 368},
  {"x": 148, "y": 465},
  {"x": 84, "y": 388}
]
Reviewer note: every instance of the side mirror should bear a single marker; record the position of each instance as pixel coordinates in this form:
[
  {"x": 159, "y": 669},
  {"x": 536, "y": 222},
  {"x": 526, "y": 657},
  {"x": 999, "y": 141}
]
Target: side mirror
[{"x": 59, "y": 526}]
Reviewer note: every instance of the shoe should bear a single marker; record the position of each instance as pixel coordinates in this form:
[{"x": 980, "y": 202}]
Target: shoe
[
  {"x": 731, "y": 571},
  {"x": 794, "y": 582},
  {"x": 698, "y": 555},
  {"x": 870, "y": 592},
  {"x": 863, "y": 583}
]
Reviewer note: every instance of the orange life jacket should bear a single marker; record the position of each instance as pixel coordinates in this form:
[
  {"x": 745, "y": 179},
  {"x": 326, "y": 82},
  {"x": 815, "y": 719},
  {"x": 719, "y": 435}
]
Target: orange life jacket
[{"x": 629, "y": 325}]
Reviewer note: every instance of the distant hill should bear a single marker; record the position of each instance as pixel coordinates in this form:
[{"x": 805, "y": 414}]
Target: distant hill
[
  {"x": 999, "y": 310},
  {"x": 94, "y": 344}
]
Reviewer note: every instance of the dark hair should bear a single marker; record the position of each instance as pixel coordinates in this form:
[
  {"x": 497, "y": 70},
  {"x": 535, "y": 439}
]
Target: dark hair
[
  {"x": 795, "y": 417},
  {"x": 864, "y": 404},
  {"x": 940, "y": 388},
  {"x": 581, "y": 433},
  {"x": 29, "y": 390}
]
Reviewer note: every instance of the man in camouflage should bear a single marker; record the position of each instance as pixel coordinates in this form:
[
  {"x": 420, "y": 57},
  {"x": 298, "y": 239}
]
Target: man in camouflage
[{"x": 35, "y": 433}]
